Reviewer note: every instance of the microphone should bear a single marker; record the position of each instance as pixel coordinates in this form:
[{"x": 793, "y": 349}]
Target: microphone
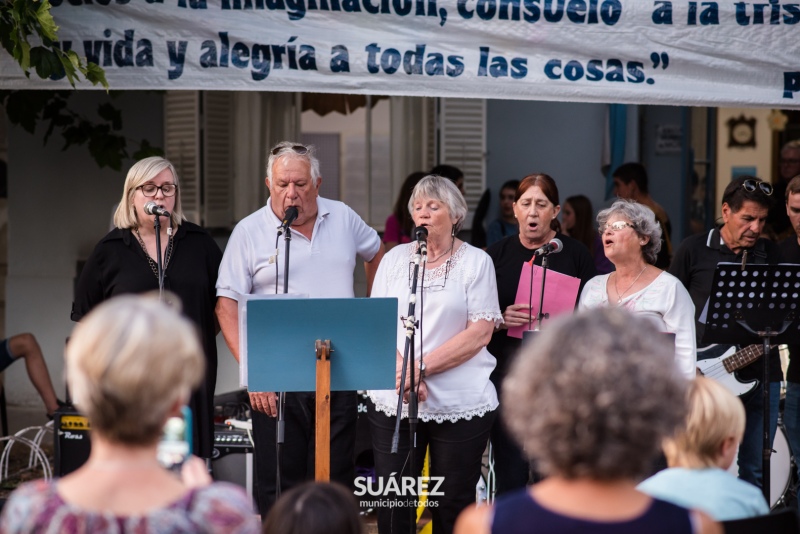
[
  {"x": 288, "y": 218},
  {"x": 421, "y": 235},
  {"x": 151, "y": 208},
  {"x": 553, "y": 247}
]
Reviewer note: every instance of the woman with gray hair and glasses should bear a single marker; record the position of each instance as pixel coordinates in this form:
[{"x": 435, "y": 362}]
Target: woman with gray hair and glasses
[
  {"x": 631, "y": 241},
  {"x": 457, "y": 307}
]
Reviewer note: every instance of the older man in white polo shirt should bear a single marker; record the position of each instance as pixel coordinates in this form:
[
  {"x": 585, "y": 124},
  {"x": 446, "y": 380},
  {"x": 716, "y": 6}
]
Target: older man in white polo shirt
[{"x": 327, "y": 236}]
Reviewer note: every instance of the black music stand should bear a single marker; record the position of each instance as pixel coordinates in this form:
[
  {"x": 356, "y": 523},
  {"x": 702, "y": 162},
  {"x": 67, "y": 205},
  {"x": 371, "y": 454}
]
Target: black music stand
[{"x": 749, "y": 303}]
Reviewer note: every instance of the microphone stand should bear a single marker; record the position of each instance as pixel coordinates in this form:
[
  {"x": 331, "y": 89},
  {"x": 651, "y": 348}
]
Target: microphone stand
[
  {"x": 281, "y": 421},
  {"x": 539, "y": 316},
  {"x": 159, "y": 265},
  {"x": 411, "y": 324}
]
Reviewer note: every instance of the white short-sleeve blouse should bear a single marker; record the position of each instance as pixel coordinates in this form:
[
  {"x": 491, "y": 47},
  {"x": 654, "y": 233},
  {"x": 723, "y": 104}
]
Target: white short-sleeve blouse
[{"x": 463, "y": 289}]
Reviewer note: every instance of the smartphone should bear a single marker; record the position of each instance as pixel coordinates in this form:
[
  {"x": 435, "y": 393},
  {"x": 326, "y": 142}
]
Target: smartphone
[{"x": 176, "y": 440}]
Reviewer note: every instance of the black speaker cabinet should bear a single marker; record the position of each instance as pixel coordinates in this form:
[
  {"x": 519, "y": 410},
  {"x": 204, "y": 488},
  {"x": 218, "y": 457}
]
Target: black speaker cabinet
[
  {"x": 236, "y": 468},
  {"x": 72, "y": 444}
]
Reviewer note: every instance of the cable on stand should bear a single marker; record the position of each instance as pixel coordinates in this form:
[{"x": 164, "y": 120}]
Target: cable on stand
[
  {"x": 151, "y": 208},
  {"x": 411, "y": 324},
  {"x": 280, "y": 422}
]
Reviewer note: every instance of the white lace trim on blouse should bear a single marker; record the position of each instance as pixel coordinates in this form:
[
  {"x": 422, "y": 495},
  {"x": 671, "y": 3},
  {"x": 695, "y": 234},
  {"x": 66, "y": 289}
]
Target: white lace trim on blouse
[{"x": 438, "y": 417}]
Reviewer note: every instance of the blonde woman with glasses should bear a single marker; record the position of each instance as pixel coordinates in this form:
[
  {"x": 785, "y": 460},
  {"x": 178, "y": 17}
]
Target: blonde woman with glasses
[{"x": 125, "y": 261}]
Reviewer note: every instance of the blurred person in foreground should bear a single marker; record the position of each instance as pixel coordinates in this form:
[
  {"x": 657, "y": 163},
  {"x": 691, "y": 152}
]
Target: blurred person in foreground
[
  {"x": 131, "y": 365},
  {"x": 700, "y": 454},
  {"x": 315, "y": 508},
  {"x": 590, "y": 400}
]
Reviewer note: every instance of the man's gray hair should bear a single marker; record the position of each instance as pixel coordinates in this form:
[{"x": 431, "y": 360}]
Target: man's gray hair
[
  {"x": 594, "y": 395},
  {"x": 288, "y": 150},
  {"x": 443, "y": 190},
  {"x": 644, "y": 223}
]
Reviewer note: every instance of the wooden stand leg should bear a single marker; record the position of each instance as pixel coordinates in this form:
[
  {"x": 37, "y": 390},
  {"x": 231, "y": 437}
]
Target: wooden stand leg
[{"x": 322, "y": 466}]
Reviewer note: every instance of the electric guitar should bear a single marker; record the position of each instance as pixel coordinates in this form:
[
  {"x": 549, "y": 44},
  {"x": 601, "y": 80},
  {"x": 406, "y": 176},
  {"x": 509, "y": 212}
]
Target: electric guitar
[{"x": 720, "y": 361}]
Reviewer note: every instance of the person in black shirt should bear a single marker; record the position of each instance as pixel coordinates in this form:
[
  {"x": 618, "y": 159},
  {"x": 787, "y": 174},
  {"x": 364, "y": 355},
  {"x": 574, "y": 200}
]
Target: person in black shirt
[
  {"x": 122, "y": 262},
  {"x": 745, "y": 204},
  {"x": 778, "y": 221},
  {"x": 536, "y": 208},
  {"x": 790, "y": 250},
  {"x": 631, "y": 183}
]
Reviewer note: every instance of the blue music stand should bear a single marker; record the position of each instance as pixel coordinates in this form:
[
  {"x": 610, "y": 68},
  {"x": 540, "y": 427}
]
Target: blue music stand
[{"x": 322, "y": 345}]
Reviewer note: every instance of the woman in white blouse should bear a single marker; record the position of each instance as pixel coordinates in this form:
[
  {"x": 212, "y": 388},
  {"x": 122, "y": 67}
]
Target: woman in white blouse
[
  {"x": 631, "y": 240},
  {"x": 457, "y": 307}
]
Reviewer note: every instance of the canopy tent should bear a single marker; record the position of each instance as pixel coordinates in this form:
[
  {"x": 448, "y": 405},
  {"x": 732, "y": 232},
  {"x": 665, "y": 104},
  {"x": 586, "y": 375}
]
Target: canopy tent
[{"x": 625, "y": 51}]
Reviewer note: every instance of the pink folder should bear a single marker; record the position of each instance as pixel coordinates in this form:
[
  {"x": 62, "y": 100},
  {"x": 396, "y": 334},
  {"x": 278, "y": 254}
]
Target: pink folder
[{"x": 560, "y": 295}]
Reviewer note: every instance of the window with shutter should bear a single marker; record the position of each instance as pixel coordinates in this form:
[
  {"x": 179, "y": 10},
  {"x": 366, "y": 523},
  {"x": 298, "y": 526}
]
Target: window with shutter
[
  {"x": 182, "y": 146},
  {"x": 198, "y": 132},
  {"x": 462, "y": 143},
  {"x": 217, "y": 159}
]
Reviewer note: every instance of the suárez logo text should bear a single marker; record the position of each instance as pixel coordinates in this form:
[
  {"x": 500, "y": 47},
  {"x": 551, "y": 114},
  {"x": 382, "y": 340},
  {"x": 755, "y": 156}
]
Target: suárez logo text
[{"x": 399, "y": 486}]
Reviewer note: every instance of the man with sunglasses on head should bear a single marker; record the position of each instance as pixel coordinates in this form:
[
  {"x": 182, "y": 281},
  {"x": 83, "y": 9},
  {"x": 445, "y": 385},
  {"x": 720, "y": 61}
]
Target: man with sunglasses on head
[
  {"x": 327, "y": 238},
  {"x": 746, "y": 202}
]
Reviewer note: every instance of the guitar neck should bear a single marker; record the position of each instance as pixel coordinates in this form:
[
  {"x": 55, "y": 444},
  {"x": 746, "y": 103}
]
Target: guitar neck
[{"x": 743, "y": 357}]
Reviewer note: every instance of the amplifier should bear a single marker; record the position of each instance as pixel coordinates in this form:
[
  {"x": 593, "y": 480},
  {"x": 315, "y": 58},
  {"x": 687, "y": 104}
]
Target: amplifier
[
  {"x": 72, "y": 444},
  {"x": 232, "y": 457},
  {"x": 228, "y": 440}
]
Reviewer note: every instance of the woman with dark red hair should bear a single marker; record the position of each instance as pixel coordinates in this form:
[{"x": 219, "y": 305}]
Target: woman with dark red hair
[{"x": 536, "y": 208}]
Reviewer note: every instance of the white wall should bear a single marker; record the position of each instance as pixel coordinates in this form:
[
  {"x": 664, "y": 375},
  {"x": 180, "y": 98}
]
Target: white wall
[
  {"x": 59, "y": 207},
  {"x": 664, "y": 171},
  {"x": 564, "y": 140},
  {"x": 759, "y": 156}
]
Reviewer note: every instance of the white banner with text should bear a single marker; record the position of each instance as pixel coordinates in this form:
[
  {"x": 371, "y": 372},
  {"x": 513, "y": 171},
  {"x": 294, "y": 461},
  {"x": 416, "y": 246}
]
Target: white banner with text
[{"x": 628, "y": 51}]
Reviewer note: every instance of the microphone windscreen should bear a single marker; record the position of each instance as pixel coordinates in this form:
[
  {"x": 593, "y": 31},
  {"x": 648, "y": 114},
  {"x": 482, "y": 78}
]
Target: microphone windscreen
[
  {"x": 149, "y": 208},
  {"x": 557, "y": 244},
  {"x": 420, "y": 233},
  {"x": 291, "y": 214}
]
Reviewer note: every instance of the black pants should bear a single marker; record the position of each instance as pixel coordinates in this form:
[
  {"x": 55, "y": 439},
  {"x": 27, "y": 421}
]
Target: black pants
[
  {"x": 511, "y": 468},
  {"x": 297, "y": 460},
  {"x": 456, "y": 450}
]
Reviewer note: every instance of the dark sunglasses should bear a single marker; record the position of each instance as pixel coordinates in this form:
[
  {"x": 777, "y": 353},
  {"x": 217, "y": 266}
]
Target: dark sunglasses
[
  {"x": 750, "y": 186},
  {"x": 298, "y": 149}
]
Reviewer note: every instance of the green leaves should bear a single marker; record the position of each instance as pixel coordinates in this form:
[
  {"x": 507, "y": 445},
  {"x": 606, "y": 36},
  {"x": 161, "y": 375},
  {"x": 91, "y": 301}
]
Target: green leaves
[
  {"x": 104, "y": 138},
  {"x": 46, "y": 23},
  {"x": 20, "y": 19},
  {"x": 23, "y": 19}
]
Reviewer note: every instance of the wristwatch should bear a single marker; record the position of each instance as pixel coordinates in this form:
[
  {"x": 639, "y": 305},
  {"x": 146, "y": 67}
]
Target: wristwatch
[{"x": 421, "y": 370}]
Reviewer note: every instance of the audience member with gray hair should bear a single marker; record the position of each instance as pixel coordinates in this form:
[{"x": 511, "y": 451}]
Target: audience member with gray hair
[
  {"x": 458, "y": 310},
  {"x": 131, "y": 364},
  {"x": 590, "y": 400},
  {"x": 631, "y": 240}
]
